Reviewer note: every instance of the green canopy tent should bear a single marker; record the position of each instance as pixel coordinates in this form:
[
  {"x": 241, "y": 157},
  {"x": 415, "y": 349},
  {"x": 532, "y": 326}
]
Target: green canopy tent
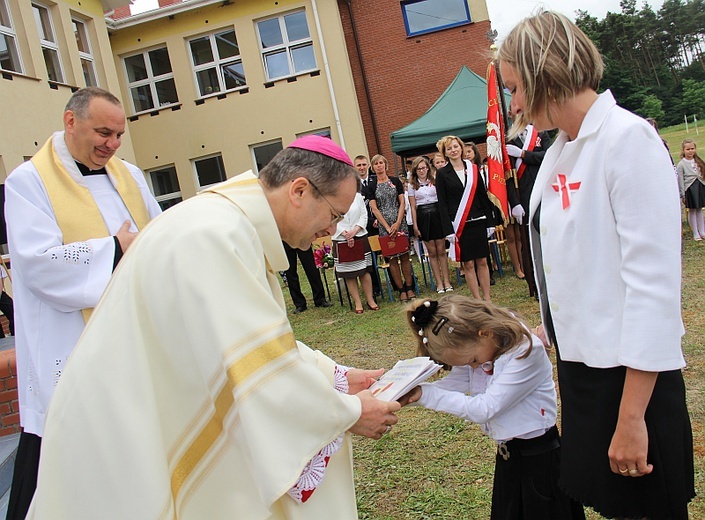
[{"x": 461, "y": 110}]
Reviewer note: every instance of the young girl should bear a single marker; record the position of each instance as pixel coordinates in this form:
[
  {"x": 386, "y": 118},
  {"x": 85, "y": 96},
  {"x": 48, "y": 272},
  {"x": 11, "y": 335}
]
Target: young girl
[
  {"x": 501, "y": 378},
  {"x": 691, "y": 169}
]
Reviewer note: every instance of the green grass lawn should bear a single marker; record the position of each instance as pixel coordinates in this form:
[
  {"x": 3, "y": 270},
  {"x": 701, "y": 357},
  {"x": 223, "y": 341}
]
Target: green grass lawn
[{"x": 435, "y": 466}]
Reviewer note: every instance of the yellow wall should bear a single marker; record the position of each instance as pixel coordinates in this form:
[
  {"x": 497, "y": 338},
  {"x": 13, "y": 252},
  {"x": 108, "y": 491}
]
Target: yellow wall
[
  {"x": 230, "y": 126},
  {"x": 31, "y": 111}
]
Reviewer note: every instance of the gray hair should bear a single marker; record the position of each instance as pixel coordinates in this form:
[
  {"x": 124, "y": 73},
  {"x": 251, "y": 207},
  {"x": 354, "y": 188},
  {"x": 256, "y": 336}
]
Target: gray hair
[
  {"x": 325, "y": 172},
  {"x": 78, "y": 104}
]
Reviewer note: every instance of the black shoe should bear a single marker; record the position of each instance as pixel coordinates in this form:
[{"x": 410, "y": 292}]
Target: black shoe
[
  {"x": 324, "y": 304},
  {"x": 492, "y": 282},
  {"x": 299, "y": 310}
]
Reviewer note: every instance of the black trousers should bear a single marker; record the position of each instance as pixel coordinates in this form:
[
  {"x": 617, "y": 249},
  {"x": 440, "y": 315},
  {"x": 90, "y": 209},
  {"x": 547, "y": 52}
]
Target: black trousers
[
  {"x": 8, "y": 310},
  {"x": 312, "y": 273},
  {"x": 24, "y": 477}
]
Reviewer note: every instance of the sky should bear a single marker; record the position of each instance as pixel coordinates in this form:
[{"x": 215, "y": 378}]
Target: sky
[{"x": 505, "y": 14}]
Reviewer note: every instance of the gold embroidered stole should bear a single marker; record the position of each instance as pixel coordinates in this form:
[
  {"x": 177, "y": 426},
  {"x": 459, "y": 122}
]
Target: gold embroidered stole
[{"x": 76, "y": 212}]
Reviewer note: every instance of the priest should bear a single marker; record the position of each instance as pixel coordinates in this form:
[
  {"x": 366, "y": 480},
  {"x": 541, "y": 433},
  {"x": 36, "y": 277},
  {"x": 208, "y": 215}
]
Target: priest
[
  {"x": 187, "y": 396},
  {"x": 72, "y": 211}
]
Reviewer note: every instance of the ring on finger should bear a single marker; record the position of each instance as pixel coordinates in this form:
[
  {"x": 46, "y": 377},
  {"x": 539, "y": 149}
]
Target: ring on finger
[
  {"x": 633, "y": 471},
  {"x": 623, "y": 471}
]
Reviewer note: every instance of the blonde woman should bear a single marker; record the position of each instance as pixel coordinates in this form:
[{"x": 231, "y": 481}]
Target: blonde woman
[
  {"x": 605, "y": 238},
  {"x": 468, "y": 217}
]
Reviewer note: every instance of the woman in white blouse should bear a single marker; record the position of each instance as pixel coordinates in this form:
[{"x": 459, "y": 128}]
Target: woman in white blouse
[
  {"x": 427, "y": 222},
  {"x": 351, "y": 230}
]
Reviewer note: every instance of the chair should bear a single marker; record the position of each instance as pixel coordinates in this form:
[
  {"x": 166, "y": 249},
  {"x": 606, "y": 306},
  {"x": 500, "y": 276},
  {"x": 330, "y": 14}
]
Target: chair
[
  {"x": 328, "y": 241},
  {"x": 498, "y": 255},
  {"x": 423, "y": 258},
  {"x": 377, "y": 264}
]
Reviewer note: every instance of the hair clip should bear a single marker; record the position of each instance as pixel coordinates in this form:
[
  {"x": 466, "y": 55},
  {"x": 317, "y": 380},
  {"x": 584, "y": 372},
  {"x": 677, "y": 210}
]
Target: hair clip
[
  {"x": 427, "y": 303},
  {"x": 439, "y": 324},
  {"x": 420, "y": 332},
  {"x": 425, "y": 340},
  {"x": 450, "y": 330}
]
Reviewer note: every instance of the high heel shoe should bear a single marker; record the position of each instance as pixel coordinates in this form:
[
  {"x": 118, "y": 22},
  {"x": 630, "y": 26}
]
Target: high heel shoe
[
  {"x": 373, "y": 307},
  {"x": 359, "y": 311}
]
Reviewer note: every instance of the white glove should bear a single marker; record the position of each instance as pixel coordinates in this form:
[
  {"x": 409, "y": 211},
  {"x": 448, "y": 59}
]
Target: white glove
[
  {"x": 490, "y": 232},
  {"x": 514, "y": 151},
  {"x": 518, "y": 213}
]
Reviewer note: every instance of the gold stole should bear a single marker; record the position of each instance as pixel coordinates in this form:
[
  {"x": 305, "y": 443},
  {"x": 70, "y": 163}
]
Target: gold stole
[{"x": 76, "y": 212}]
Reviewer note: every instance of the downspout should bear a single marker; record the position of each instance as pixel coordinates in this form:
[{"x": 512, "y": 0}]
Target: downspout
[
  {"x": 364, "y": 77},
  {"x": 336, "y": 114}
]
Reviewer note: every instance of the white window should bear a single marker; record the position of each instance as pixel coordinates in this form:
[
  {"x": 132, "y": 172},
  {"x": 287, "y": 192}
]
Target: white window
[
  {"x": 85, "y": 54},
  {"x": 150, "y": 80},
  {"x": 9, "y": 57},
  {"x": 209, "y": 170},
  {"x": 216, "y": 62},
  {"x": 47, "y": 39},
  {"x": 286, "y": 45},
  {"x": 265, "y": 152},
  {"x": 165, "y": 186}
]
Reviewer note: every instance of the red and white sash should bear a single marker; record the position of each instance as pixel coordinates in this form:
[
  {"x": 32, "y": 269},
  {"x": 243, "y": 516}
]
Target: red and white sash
[
  {"x": 461, "y": 216},
  {"x": 531, "y": 142}
]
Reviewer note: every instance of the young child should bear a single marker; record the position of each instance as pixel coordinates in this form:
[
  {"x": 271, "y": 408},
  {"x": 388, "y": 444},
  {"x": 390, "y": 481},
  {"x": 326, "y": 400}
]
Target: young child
[
  {"x": 501, "y": 378},
  {"x": 691, "y": 169}
]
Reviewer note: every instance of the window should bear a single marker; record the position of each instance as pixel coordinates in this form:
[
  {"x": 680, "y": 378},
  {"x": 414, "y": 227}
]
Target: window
[
  {"x": 216, "y": 62},
  {"x": 286, "y": 44},
  {"x": 151, "y": 80},
  {"x": 423, "y": 16},
  {"x": 263, "y": 153},
  {"x": 47, "y": 39},
  {"x": 209, "y": 170},
  {"x": 9, "y": 58},
  {"x": 85, "y": 53},
  {"x": 165, "y": 186}
]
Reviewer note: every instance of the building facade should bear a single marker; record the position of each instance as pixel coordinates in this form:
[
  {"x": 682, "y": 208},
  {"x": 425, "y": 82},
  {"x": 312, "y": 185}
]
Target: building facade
[
  {"x": 213, "y": 89},
  {"x": 405, "y": 53},
  {"x": 49, "y": 49}
]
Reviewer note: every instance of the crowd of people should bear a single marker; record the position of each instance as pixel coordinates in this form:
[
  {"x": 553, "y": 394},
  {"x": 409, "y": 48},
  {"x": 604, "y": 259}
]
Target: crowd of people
[{"x": 222, "y": 412}]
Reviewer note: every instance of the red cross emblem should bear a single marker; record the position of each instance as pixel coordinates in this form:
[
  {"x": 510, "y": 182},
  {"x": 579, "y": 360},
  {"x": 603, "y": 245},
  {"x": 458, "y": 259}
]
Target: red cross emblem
[{"x": 564, "y": 188}]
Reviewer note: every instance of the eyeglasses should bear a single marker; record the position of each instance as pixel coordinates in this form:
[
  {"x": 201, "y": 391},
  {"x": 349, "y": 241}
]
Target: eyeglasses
[{"x": 337, "y": 217}]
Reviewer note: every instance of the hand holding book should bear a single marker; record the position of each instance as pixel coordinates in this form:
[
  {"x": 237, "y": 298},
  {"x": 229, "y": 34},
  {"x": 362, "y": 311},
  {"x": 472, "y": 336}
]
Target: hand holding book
[{"x": 403, "y": 377}]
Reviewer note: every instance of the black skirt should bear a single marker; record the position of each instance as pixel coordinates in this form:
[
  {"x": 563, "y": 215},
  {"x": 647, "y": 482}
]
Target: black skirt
[
  {"x": 590, "y": 405},
  {"x": 473, "y": 241},
  {"x": 526, "y": 481},
  {"x": 428, "y": 220},
  {"x": 695, "y": 195}
]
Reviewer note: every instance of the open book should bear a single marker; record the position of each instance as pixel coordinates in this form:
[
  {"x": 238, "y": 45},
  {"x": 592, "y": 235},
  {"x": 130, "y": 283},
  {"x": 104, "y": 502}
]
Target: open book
[{"x": 403, "y": 377}]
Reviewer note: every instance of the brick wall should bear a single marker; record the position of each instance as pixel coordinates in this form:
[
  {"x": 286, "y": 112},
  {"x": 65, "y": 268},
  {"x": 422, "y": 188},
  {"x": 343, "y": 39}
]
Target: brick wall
[
  {"x": 9, "y": 406},
  {"x": 405, "y": 75}
]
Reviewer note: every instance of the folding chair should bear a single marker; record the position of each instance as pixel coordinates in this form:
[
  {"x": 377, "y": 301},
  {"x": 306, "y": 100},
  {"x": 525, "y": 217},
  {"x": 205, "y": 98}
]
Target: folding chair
[
  {"x": 328, "y": 241},
  {"x": 498, "y": 255}
]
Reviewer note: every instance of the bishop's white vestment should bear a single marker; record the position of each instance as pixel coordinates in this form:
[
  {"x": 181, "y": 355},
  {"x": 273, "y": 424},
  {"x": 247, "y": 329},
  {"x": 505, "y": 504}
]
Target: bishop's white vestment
[
  {"x": 53, "y": 280},
  {"x": 187, "y": 397}
]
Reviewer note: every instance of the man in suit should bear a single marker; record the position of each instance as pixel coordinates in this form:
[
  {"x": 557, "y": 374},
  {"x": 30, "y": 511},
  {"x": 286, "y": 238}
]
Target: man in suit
[{"x": 368, "y": 181}]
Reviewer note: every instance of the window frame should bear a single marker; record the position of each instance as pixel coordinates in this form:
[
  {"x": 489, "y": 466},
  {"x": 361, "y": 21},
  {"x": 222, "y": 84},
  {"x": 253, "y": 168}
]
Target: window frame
[
  {"x": 253, "y": 151},
  {"x": 286, "y": 45},
  {"x": 405, "y": 3},
  {"x": 151, "y": 80},
  {"x": 49, "y": 45},
  {"x": 85, "y": 57},
  {"x": 8, "y": 31},
  {"x": 218, "y": 63},
  {"x": 203, "y": 158},
  {"x": 165, "y": 197}
]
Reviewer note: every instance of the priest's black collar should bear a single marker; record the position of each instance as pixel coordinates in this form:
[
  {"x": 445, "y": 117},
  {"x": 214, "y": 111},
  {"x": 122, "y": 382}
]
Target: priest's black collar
[{"x": 85, "y": 170}]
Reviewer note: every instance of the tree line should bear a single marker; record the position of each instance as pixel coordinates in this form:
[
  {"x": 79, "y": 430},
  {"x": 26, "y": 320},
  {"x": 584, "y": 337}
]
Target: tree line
[{"x": 654, "y": 61}]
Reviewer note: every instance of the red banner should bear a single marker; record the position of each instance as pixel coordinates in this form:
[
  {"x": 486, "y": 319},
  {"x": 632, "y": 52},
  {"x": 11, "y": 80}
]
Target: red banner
[{"x": 498, "y": 166}]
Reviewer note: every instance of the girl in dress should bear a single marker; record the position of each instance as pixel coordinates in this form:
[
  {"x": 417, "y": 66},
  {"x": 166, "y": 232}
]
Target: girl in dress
[
  {"x": 502, "y": 379},
  {"x": 691, "y": 169},
  {"x": 387, "y": 204},
  {"x": 427, "y": 222}
]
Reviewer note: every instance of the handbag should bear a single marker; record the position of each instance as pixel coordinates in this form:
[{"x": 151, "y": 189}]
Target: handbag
[{"x": 394, "y": 246}]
